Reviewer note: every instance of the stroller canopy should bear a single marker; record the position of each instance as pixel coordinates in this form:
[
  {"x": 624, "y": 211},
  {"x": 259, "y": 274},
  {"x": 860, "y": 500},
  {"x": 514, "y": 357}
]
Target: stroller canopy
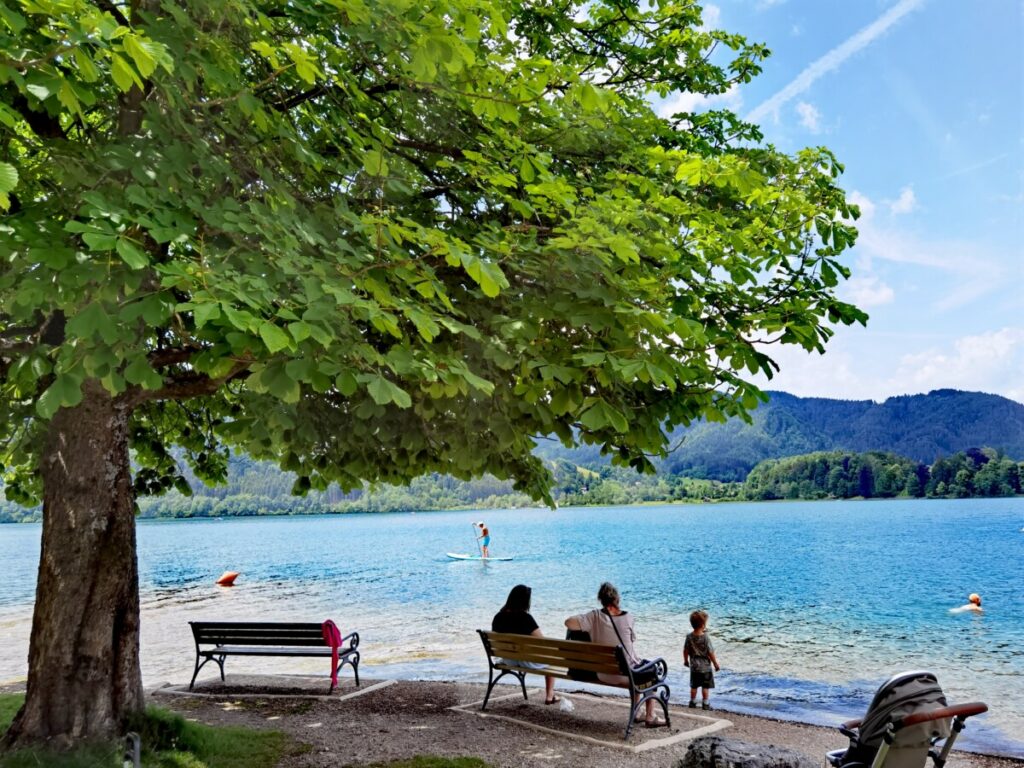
[{"x": 899, "y": 696}]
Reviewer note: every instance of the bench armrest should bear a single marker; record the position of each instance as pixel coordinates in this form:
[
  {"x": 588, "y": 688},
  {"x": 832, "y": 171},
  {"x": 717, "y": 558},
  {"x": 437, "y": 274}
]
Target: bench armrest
[
  {"x": 354, "y": 637},
  {"x": 658, "y": 667}
]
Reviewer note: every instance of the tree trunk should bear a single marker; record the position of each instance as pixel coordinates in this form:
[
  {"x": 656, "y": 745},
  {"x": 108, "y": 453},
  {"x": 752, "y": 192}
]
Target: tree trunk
[{"x": 84, "y": 678}]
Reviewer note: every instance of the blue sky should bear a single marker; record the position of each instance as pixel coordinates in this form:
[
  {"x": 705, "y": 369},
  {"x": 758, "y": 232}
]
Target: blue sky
[{"x": 923, "y": 101}]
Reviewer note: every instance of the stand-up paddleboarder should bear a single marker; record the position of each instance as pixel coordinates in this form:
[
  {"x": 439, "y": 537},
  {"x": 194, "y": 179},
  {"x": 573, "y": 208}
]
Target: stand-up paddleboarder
[{"x": 484, "y": 538}]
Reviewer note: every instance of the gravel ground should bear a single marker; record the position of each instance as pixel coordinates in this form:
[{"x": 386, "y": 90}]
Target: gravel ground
[{"x": 415, "y": 718}]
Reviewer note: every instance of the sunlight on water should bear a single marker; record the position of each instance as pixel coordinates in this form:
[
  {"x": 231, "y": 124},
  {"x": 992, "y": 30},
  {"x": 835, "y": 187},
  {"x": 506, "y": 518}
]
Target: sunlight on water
[{"x": 812, "y": 604}]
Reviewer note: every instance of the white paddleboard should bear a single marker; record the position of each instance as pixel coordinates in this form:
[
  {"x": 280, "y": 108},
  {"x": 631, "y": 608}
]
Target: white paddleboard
[{"x": 456, "y": 556}]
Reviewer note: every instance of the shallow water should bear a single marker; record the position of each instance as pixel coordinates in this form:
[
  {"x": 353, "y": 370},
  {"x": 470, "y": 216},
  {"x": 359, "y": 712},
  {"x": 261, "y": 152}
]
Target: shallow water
[{"x": 812, "y": 604}]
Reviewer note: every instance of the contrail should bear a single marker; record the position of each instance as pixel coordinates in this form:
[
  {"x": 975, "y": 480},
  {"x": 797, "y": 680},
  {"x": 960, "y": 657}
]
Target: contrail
[{"x": 834, "y": 58}]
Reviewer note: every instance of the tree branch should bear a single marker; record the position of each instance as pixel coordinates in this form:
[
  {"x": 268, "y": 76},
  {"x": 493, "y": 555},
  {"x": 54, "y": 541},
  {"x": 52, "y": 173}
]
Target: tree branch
[{"x": 184, "y": 386}]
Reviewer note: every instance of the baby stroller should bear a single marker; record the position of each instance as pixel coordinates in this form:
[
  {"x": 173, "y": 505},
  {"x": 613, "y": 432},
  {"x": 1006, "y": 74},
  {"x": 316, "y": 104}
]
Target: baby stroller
[{"x": 903, "y": 725}]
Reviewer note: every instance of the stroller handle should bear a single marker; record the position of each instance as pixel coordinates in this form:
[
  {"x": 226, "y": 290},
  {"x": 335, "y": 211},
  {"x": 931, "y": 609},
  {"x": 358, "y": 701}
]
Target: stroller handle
[{"x": 962, "y": 711}]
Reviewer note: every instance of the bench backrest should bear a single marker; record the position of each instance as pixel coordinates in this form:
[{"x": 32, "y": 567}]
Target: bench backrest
[
  {"x": 256, "y": 633},
  {"x": 552, "y": 652}
]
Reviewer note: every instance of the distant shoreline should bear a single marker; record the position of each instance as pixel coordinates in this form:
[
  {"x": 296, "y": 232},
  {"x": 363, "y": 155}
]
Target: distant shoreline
[{"x": 636, "y": 504}]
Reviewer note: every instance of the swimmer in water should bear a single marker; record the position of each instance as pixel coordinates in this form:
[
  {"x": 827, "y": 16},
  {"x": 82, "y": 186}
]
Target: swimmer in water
[{"x": 973, "y": 605}]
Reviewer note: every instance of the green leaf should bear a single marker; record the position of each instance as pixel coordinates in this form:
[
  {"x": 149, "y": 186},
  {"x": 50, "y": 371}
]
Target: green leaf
[
  {"x": 346, "y": 383},
  {"x": 144, "y": 61},
  {"x": 300, "y": 331},
  {"x": 384, "y": 392},
  {"x": 100, "y": 241},
  {"x": 14, "y": 20},
  {"x": 204, "y": 313},
  {"x": 131, "y": 254},
  {"x": 374, "y": 163},
  {"x": 123, "y": 74},
  {"x": 40, "y": 91},
  {"x": 526, "y": 170},
  {"x": 66, "y": 391},
  {"x": 274, "y": 338},
  {"x": 91, "y": 321},
  {"x": 282, "y": 386},
  {"x": 140, "y": 372},
  {"x": 601, "y": 416},
  {"x": 8, "y": 177}
]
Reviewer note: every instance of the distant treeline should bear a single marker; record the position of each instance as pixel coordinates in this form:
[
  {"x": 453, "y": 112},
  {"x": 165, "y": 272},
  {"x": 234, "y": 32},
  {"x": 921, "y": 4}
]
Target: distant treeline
[
  {"x": 256, "y": 488},
  {"x": 845, "y": 475}
]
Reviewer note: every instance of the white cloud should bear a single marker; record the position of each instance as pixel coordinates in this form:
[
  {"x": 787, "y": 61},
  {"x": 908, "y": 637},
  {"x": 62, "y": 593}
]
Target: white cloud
[
  {"x": 810, "y": 117},
  {"x": 868, "y": 291},
  {"x": 696, "y": 102},
  {"x": 855, "y": 367},
  {"x": 833, "y": 59},
  {"x": 974, "y": 268},
  {"x": 867, "y": 208},
  {"x": 990, "y": 362},
  {"x": 711, "y": 17},
  {"x": 905, "y": 203}
]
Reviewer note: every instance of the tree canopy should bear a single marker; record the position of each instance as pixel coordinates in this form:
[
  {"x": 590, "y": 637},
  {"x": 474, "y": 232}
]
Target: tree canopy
[
  {"x": 370, "y": 240},
  {"x": 431, "y": 231}
]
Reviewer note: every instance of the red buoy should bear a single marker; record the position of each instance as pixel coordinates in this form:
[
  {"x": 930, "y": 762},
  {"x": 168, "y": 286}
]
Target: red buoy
[{"x": 227, "y": 579}]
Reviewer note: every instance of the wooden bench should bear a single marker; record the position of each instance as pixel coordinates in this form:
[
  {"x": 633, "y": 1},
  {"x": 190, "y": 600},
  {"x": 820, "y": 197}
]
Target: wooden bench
[
  {"x": 246, "y": 638},
  {"x": 557, "y": 657}
]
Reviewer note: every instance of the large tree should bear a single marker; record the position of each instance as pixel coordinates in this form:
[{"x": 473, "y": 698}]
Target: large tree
[{"x": 367, "y": 240}]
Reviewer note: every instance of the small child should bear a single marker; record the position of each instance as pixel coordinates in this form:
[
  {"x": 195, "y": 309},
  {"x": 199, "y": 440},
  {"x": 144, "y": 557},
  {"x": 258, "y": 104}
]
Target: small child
[{"x": 699, "y": 656}]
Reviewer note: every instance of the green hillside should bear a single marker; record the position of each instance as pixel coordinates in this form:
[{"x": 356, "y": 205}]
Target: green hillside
[
  {"x": 802, "y": 448},
  {"x": 919, "y": 427}
]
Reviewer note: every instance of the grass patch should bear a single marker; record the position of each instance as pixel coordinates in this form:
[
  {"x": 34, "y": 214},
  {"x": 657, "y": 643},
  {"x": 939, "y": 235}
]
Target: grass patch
[
  {"x": 10, "y": 703},
  {"x": 168, "y": 741},
  {"x": 430, "y": 761}
]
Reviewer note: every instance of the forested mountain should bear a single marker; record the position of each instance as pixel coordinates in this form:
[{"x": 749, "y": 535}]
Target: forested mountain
[
  {"x": 919, "y": 427},
  {"x": 911, "y": 446}
]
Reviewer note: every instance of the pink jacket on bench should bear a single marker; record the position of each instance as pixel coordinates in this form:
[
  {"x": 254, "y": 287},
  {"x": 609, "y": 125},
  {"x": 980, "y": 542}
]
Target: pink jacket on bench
[{"x": 332, "y": 636}]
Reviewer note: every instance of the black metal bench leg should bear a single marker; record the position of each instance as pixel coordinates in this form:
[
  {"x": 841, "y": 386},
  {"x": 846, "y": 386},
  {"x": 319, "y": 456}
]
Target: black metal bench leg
[
  {"x": 220, "y": 663},
  {"x": 491, "y": 680},
  {"x": 195, "y": 672},
  {"x": 632, "y": 716},
  {"x": 206, "y": 661},
  {"x": 355, "y": 666},
  {"x": 522, "y": 682}
]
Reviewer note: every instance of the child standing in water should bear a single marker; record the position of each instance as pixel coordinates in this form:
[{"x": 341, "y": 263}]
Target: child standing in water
[{"x": 699, "y": 656}]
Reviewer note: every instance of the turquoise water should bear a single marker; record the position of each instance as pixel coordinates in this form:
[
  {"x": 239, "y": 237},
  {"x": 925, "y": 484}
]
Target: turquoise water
[{"x": 812, "y": 604}]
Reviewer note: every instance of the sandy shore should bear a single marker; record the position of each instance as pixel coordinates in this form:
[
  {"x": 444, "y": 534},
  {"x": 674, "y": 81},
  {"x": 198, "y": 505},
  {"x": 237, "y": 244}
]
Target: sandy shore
[{"x": 388, "y": 720}]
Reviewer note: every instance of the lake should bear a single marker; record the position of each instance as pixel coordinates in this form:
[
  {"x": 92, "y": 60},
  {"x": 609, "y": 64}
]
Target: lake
[{"x": 812, "y": 604}]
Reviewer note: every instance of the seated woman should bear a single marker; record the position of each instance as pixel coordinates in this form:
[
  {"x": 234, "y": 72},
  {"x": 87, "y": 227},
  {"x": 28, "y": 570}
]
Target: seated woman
[
  {"x": 514, "y": 618},
  {"x": 610, "y": 625}
]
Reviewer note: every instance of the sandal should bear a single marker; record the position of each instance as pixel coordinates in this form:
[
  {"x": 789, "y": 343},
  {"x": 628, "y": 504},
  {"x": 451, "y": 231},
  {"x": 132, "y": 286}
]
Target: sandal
[
  {"x": 555, "y": 700},
  {"x": 657, "y": 722}
]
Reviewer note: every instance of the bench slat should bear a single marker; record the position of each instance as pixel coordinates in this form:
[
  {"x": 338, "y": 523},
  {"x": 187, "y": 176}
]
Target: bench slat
[
  {"x": 252, "y": 650},
  {"x": 549, "y": 642},
  {"x": 257, "y": 633},
  {"x": 601, "y": 655},
  {"x": 559, "y": 663},
  {"x": 553, "y": 652}
]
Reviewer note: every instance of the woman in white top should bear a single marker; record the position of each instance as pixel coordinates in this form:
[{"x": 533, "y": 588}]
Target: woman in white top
[{"x": 598, "y": 623}]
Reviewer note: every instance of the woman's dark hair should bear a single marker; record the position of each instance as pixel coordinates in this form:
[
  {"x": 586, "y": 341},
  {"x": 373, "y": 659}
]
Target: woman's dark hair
[
  {"x": 608, "y": 595},
  {"x": 518, "y": 599}
]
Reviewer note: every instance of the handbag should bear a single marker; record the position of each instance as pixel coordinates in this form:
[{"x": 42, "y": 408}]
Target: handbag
[
  {"x": 644, "y": 671},
  {"x": 580, "y": 675}
]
